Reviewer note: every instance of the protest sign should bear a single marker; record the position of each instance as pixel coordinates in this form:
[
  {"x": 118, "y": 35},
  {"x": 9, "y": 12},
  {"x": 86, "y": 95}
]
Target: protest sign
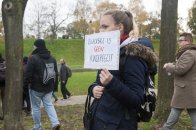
[{"x": 102, "y": 50}]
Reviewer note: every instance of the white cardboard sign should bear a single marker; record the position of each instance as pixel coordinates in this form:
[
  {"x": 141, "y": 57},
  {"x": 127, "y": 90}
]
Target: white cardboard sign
[{"x": 102, "y": 50}]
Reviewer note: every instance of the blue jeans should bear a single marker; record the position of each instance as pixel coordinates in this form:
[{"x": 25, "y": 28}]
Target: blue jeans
[
  {"x": 36, "y": 98},
  {"x": 54, "y": 95},
  {"x": 174, "y": 116}
]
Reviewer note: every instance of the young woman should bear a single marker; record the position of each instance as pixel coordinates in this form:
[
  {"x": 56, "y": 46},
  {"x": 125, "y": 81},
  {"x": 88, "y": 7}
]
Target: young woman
[{"x": 119, "y": 94}]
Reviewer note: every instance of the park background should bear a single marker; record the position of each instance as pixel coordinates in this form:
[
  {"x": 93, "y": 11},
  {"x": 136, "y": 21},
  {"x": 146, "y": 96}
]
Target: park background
[
  {"x": 71, "y": 116},
  {"x": 71, "y": 48}
]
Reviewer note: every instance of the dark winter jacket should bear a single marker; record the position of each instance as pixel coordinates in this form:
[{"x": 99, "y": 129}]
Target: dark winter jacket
[
  {"x": 63, "y": 73},
  {"x": 146, "y": 42},
  {"x": 34, "y": 70},
  {"x": 1, "y": 59},
  {"x": 25, "y": 88},
  {"x": 118, "y": 106},
  {"x": 2, "y": 74}
]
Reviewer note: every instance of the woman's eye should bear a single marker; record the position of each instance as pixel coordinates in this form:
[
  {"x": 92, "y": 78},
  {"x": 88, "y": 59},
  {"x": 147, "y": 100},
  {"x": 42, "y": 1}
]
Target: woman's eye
[{"x": 104, "y": 26}]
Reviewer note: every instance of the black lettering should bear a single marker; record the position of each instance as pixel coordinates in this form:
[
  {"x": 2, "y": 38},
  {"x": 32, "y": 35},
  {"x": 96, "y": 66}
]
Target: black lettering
[
  {"x": 96, "y": 41},
  {"x": 101, "y": 58}
]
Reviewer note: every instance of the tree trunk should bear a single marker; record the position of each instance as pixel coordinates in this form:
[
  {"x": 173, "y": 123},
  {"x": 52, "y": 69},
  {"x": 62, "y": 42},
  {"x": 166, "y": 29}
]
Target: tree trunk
[
  {"x": 167, "y": 54},
  {"x": 13, "y": 11}
]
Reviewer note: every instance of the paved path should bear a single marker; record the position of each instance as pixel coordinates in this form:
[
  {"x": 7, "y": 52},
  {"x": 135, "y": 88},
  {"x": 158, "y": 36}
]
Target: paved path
[{"x": 73, "y": 100}]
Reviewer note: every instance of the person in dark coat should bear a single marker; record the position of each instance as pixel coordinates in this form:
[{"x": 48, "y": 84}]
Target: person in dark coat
[
  {"x": 26, "y": 98},
  {"x": 2, "y": 85},
  {"x": 38, "y": 91},
  {"x": 118, "y": 95},
  {"x": 63, "y": 79},
  {"x": 2, "y": 60}
]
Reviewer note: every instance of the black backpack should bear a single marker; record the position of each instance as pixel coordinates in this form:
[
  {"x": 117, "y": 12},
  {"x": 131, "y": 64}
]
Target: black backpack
[
  {"x": 47, "y": 73},
  {"x": 147, "y": 108},
  {"x": 69, "y": 72}
]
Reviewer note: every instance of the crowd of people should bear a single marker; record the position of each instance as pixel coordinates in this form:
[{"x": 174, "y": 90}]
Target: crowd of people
[{"x": 118, "y": 94}]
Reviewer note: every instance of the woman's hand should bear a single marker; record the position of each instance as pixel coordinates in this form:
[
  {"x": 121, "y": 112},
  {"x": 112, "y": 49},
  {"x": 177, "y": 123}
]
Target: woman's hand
[
  {"x": 105, "y": 76},
  {"x": 98, "y": 91}
]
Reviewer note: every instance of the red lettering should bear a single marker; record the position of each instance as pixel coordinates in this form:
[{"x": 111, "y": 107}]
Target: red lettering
[{"x": 98, "y": 48}]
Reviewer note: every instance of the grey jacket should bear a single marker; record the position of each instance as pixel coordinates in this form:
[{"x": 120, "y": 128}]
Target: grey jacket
[
  {"x": 63, "y": 73},
  {"x": 184, "y": 71}
]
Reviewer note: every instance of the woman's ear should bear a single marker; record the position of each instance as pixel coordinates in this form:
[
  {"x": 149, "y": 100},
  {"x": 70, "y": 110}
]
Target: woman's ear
[{"x": 121, "y": 28}]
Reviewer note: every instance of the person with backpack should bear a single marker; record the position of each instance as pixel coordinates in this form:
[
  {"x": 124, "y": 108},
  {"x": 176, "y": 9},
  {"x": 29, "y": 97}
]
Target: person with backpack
[
  {"x": 184, "y": 71},
  {"x": 42, "y": 75},
  {"x": 64, "y": 75},
  {"x": 120, "y": 93}
]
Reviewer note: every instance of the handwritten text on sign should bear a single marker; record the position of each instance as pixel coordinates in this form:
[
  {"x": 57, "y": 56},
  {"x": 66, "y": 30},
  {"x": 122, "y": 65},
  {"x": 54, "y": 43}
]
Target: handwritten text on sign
[{"x": 102, "y": 50}]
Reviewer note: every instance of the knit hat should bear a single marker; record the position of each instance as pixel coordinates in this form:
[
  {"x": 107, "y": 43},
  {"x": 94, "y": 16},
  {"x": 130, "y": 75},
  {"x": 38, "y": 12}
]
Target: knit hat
[{"x": 40, "y": 43}]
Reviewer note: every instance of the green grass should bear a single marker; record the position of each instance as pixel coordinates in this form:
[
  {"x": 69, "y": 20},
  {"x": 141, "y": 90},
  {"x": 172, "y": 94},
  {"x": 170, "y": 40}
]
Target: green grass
[
  {"x": 79, "y": 82},
  {"x": 184, "y": 123},
  {"x": 156, "y": 44},
  {"x": 72, "y": 50},
  {"x": 2, "y": 46},
  {"x": 70, "y": 118}
]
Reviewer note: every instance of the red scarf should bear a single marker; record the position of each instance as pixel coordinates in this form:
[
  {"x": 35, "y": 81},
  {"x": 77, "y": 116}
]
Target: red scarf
[{"x": 123, "y": 37}]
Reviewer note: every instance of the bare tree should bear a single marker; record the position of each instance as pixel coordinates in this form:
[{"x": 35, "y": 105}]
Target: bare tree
[
  {"x": 97, "y": 13},
  {"x": 71, "y": 30},
  {"x": 38, "y": 19},
  {"x": 102, "y": 7},
  {"x": 140, "y": 15},
  {"x": 153, "y": 25},
  {"x": 167, "y": 54},
  {"x": 56, "y": 20},
  {"x": 12, "y": 12},
  {"x": 82, "y": 15}
]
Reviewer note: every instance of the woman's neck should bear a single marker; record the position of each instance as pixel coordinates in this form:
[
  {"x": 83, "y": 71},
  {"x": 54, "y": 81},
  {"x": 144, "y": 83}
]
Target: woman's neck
[{"x": 123, "y": 37}]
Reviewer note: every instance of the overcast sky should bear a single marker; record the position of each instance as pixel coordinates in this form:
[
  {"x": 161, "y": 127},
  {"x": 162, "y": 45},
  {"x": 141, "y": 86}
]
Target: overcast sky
[
  {"x": 150, "y": 5},
  {"x": 155, "y": 5}
]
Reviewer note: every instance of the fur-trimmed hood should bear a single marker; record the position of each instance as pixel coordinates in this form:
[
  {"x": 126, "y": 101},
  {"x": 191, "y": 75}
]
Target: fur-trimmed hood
[{"x": 146, "y": 53}]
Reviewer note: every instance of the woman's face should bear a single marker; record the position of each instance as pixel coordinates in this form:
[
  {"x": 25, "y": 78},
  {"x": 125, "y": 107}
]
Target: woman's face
[{"x": 107, "y": 23}]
